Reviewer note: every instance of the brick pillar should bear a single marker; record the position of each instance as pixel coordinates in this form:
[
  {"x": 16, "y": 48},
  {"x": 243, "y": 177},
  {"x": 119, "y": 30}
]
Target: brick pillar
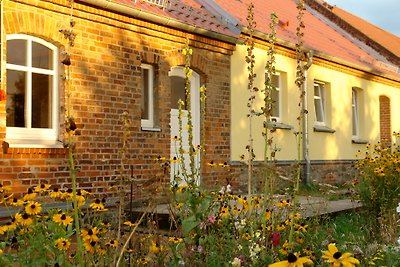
[{"x": 384, "y": 121}]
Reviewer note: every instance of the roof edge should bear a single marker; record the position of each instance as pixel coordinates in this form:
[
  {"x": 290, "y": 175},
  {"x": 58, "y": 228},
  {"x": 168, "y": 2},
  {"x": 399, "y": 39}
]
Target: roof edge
[
  {"x": 322, "y": 55},
  {"x": 325, "y": 10},
  {"x": 151, "y": 17}
]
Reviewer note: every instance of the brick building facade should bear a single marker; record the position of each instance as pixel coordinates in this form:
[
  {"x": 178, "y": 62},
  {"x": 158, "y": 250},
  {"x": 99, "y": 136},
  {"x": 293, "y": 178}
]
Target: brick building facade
[{"x": 104, "y": 81}]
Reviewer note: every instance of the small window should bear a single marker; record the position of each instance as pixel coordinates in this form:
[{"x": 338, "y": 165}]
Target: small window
[
  {"x": 276, "y": 99},
  {"x": 355, "y": 113},
  {"x": 147, "y": 101},
  {"x": 32, "y": 89},
  {"x": 319, "y": 103}
]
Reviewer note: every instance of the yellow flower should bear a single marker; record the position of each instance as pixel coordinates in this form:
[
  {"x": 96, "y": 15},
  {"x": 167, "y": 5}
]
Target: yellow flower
[
  {"x": 89, "y": 246},
  {"x": 246, "y": 236},
  {"x": 33, "y": 208},
  {"x": 224, "y": 211},
  {"x": 142, "y": 261},
  {"x": 267, "y": 214},
  {"x": 155, "y": 247},
  {"x": 4, "y": 188},
  {"x": 62, "y": 219},
  {"x": 112, "y": 243},
  {"x": 30, "y": 195},
  {"x": 41, "y": 188},
  {"x": 98, "y": 205},
  {"x": 16, "y": 202},
  {"x": 337, "y": 259},
  {"x": 174, "y": 239},
  {"x": 23, "y": 219},
  {"x": 292, "y": 261},
  {"x": 283, "y": 203},
  {"x": 130, "y": 224},
  {"x": 56, "y": 193},
  {"x": 90, "y": 235},
  {"x": 62, "y": 244}
]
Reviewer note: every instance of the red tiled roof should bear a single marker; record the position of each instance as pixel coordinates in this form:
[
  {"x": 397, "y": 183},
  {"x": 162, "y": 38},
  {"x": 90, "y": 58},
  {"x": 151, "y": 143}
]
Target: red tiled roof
[
  {"x": 187, "y": 11},
  {"x": 318, "y": 35},
  {"x": 384, "y": 38}
]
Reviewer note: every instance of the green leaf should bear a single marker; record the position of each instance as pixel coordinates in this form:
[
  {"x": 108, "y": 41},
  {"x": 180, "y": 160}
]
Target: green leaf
[{"x": 189, "y": 224}]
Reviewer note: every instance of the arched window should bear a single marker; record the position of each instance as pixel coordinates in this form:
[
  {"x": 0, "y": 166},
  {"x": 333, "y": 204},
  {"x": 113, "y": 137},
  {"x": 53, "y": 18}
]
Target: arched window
[{"x": 32, "y": 90}]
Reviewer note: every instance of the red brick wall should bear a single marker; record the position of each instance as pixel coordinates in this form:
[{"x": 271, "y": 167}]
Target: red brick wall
[
  {"x": 105, "y": 81},
  {"x": 384, "y": 120}
]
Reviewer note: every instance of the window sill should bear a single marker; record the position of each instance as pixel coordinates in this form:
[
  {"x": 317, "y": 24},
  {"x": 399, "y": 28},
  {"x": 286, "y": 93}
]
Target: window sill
[
  {"x": 355, "y": 140},
  {"x": 27, "y": 143},
  {"x": 323, "y": 129},
  {"x": 279, "y": 125},
  {"x": 150, "y": 129}
]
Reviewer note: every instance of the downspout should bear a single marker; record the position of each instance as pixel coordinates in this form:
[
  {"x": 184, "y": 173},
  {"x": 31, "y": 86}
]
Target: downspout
[
  {"x": 148, "y": 16},
  {"x": 305, "y": 143}
]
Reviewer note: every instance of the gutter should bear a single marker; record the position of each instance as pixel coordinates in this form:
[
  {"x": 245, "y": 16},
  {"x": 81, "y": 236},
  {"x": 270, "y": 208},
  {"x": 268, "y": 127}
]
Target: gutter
[{"x": 151, "y": 17}]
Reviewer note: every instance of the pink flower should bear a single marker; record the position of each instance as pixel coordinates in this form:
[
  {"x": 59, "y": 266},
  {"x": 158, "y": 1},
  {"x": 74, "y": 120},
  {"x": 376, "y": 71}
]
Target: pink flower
[{"x": 211, "y": 219}]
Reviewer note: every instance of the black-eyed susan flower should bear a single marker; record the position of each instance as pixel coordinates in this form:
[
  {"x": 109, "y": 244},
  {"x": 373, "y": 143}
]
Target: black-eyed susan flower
[
  {"x": 224, "y": 212},
  {"x": 41, "y": 188},
  {"x": 112, "y": 243},
  {"x": 10, "y": 226},
  {"x": 89, "y": 246},
  {"x": 142, "y": 261},
  {"x": 337, "y": 259},
  {"x": 4, "y": 188},
  {"x": 246, "y": 236},
  {"x": 174, "y": 160},
  {"x": 267, "y": 214},
  {"x": 62, "y": 219},
  {"x": 212, "y": 164},
  {"x": 292, "y": 261},
  {"x": 90, "y": 234},
  {"x": 30, "y": 195},
  {"x": 130, "y": 224},
  {"x": 98, "y": 205},
  {"x": 159, "y": 158},
  {"x": 155, "y": 247},
  {"x": 33, "y": 208},
  {"x": 23, "y": 219},
  {"x": 62, "y": 243},
  {"x": 15, "y": 202},
  {"x": 175, "y": 239},
  {"x": 283, "y": 203},
  {"x": 56, "y": 193}
]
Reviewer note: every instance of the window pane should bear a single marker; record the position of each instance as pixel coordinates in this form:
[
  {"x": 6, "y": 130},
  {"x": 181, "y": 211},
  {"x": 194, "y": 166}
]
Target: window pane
[
  {"x": 145, "y": 94},
  {"x": 319, "y": 112},
  {"x": 275, "y": 103},
  {"x": 16, "y": 84},
  {"x": 41, "y": 100},
  {"x": 42, "y": 57},
  {"x": 177, "y": 92},
  {"x": 275, "y": 81},
  {"x": 354, "y": 111},
  {"x": 16, "y": 52}
]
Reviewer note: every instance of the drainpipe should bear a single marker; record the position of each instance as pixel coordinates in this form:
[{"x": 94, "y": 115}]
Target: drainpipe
[
  {"x": 148, "y": 16},
  {"x": 305, "y": 144}
]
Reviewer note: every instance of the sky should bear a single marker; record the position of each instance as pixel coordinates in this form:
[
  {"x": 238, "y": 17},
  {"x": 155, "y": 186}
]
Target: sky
[{"x": 383, "y": 13}]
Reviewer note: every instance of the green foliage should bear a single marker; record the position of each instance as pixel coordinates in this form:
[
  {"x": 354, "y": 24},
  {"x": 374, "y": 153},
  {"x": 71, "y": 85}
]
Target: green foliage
[{"x": 379, "y": 185}]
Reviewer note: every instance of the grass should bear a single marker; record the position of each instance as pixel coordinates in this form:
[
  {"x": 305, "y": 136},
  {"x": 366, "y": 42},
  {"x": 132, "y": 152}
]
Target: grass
[{"x": 353, "y": 232}]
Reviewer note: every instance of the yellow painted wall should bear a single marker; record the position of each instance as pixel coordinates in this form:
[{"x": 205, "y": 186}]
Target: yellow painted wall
[{"x": 322, "y": 145}]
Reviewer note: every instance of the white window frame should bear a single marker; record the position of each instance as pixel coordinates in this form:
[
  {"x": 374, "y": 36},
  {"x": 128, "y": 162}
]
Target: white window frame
[
  {"x": 321, "y": 98},
  {"x": 355, "y": 113},
  {"x": 279, "y": 102},
  {"x": 149, "y": 123},
  {"x": 27, "y": 135}
]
